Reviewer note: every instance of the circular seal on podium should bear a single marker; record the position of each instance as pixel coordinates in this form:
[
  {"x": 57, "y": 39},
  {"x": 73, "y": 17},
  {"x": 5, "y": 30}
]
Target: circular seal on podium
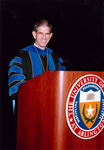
[{"x": 85, "y": 107}]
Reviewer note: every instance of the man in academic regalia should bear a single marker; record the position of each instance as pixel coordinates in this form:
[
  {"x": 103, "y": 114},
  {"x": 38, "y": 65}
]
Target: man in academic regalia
[{"x": 34, "y": 59}]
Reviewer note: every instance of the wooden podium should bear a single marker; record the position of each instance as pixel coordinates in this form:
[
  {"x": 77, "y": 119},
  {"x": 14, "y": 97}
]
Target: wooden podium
[{"x": 41, "y": 120}]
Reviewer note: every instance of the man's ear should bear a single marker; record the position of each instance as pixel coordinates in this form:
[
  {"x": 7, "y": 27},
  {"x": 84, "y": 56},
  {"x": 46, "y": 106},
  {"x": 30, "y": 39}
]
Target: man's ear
[
  {"x": 51, "y": 34},
  {"x": 34, "y": 34}
]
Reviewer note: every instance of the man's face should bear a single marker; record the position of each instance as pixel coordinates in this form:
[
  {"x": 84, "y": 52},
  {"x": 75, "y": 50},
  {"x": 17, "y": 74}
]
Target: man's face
[{"x": 42, "y": 36}]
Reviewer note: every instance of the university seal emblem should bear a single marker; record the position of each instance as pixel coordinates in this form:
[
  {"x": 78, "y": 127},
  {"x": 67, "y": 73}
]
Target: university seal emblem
[{"x": 85, "y": 107}]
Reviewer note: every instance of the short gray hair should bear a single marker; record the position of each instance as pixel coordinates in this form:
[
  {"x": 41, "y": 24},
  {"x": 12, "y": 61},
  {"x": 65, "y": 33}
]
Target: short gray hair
[{"x": 42, "y": 22}]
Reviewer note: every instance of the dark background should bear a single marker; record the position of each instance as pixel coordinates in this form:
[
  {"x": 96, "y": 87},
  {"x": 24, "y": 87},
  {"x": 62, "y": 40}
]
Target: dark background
[{"x": 78, "y": 28}]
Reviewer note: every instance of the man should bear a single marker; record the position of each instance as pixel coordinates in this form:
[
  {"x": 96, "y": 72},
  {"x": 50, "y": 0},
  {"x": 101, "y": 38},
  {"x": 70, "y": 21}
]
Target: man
[{"x": 34, "y": 59}]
